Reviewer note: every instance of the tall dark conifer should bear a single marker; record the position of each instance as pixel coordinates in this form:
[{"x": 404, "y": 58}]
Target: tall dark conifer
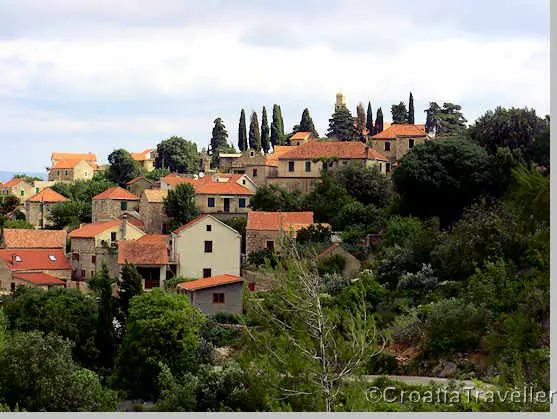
[
  {"x": 242, "y": 136},
  {"x": 411, "y": 109},
  {"x": 277, "y": 129},
  {"x": 369, "y": 121},
  {"x": 265, "y": 137},
  {"x": 254, "y": 135},
  {"x": 378, "y": 122}
]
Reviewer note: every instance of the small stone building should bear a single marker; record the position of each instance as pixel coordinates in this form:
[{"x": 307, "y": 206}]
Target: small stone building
[
  {"x": 397, "y": 140},
  {"x": 145, "y": 159},
  {"x": 19, "y": 188},
  {"x": 218, "y": 294},
  {"x": 152, "y": 213},
  {"x": 70, "y": 170},
  {"x": 137, "y": 185},
  {"x": 115, "y": 202},
  {"x": 38, "y": 207},
  {"x": 352, "y": 265}
]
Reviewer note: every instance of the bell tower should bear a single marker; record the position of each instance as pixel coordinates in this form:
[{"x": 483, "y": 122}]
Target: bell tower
[{"x": 341, "y": 101}]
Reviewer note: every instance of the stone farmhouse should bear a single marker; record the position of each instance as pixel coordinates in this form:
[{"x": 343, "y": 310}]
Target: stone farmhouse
[
  {"x": 114, "y": 203},
  {"x": 151, "y": 211},
  {"x": 38, "y": 207},
  {"x": 397, "y": 140},
  {"x": 137, "y": 185},
  {"x": 69, "y": 167}
]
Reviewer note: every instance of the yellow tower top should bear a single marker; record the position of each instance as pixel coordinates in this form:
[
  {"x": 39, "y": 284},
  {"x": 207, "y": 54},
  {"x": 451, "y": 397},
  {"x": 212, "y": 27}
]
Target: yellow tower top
[{"x": 341, "y": 101}]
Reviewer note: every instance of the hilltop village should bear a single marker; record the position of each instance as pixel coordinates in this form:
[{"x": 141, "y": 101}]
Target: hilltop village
[{"x": 270, "y": 274}]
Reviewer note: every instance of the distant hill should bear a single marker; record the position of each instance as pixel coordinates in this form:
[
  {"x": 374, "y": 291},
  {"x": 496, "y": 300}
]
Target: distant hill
[{"x": 5, "y": 176}]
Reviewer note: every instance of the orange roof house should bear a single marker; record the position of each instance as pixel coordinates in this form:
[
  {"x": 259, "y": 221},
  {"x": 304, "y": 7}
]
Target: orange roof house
[
  {"x": 30, "y": 260},
  {"x": 143, "y": 252},
  {"x": 92, "y": 230},
  {"x": 209, "y": 282},
  {"x": 48, "y": 195},
  {"x": 339, "y": 149},
  {"x": 221, "y": 293},
  {"x": 301, "y": 138},
  {"x": 89, "y": 157},
  {"x": 402, "y": 130},
  {"x": 116, "y": 193},
  {"x": 144, "y": 155},
  {"x": 69, "y": 167},
  {"x": 39, "y": 279},
  {"x": 115, "y": 202},
  {"x": 278, "y": 150},
  {"x": 398, "y": 139},
  {"x": 17, "y": 238}
]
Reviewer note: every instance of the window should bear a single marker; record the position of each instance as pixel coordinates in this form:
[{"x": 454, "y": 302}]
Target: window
[
  {"x": 22, "y": 192},
  {"x": 241, "y": 202},
  {"x": 94, "y": 259},
  {"x": 75, "y": 256},
  {"x": 218, "y": 298},
  {"x": 387, "y": 167},
  {"x": 164, "y": 228},
  {"x": 206, "y": 272},
  {"x": 113, "y": 236},
  {"x": 12, "y": 286},
  {"x": 387, "y": 146},
  {"x": 251, "y": 153},
  {"x": 92, "y": 274},
  {"x": 36, "y": 190},
  {"x": 209, "y": 226},
  {"x": 411, "y": 143},
  {"x": 344, "y": 162},
  {"x": 254, "y": 171},
  {"x": 58, "y": 173},
  {"x": 211, "y": 202},
  {"x": 65, "y": 173},
  {"x": 380, "y": 167},
  {"x": 290, "y": 166},
  {"x": 308, "y": 166},
  {"x": 270, "y": 244},
  {"x": 124, "y": 205},
  {"x": 324, "y": 165},
  {"x": 208, "y": 246},
  {"x": 40, "y": 207},
  {"x": 83, "y": 273},
  {"x": 243, "y": 181}
]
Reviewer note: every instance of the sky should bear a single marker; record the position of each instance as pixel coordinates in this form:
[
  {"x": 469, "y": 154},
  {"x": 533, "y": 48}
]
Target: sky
[{"x": 97, "y": 75}]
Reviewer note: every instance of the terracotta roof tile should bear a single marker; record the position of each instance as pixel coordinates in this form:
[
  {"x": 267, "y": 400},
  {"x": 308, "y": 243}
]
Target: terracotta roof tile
[
  {"x": 143, "y": 155},
  {"x": 278, "y": 150},
  {"x": 74, "y": 156},
  {"x": 274, "y": 221},
  {"x": 48, "y": 195},
  {"x": 207, "y": 185},
  {"x": 155, "y": 195},
  {"x": 12, "y": 182},
  {"x": 142, "y": 253},
  {"x": 116, "y": 193},
  {"x": 35, "y": 259},
  {"x": 136, "y": 179},
  {"x": 151, "y": 238},
  {"x": 327, "y": 250},
  {"x": 39, "y": 278},
  {"x": 70, "y": 164},
  {"x": 341, "y": 149},
  {"x": 213, "y": 281},
  {"x": 25, "y": 238},
  {"x": 88, "y": 231},
  {"x": 401, "y": 130},
  {"x": 301, "y": 135}
]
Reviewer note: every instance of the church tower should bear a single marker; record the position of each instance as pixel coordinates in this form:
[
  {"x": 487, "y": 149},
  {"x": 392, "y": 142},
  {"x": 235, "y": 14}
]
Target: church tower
[{"x": 341, "y": 101}]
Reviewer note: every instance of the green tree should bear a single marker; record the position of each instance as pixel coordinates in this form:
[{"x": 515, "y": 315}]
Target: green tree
[
  {"x": 265, "y": 134},
  {"x": 366, "y": 184},
  {"x": 411, "y": 109},
  {"x": 18, "y": 224},
  {"x": 177, "y": 155},
  {"x": 8, "y": 204},
  {"x": 399, "y": 113},
  {"x": 102, "y": 287},
  {"x": 356, "y": 215},
  {"x": 242, "y": 136},
  {"x": 369, "y": 120},
  {"x": 156, "y": 174},
  {"x": 378, "y": 122},
  {"x": 277, "y": 127},
  {"x": 513, "y": 128},
  {"x": 180, "y": 204},
  {"x": 440, "y": 178},
  {"x": 69, "y": 214},
  {"x": 444, "y": 121},
  {"x": 27, "y": 178},
  {"x": 161, "y": 327},
  {"x": 342, "y": 126},
  {"x": 37, "y": 373},
  {"x": 123, "y": 167},
  {"x": 275, "y": 198},
  {"x": 539, "y": 150},
  {"x": 306, "y": 124},
  {"x": 130, "y": 285},
  {"x": 254, "y": 135},
  {"x": 327, "y": 199},
  {"x": 218, "y": 142}
]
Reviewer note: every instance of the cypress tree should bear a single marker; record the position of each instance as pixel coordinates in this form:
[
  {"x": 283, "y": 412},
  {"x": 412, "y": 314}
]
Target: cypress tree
[
  {"x": 306, "y": 124},
  {"x": 219, "y": 141},
  {"x": 254, "y": 135},
  {"x": 378, "y": 121},
  {"x": 361, "y": 119},
  {"x": 369, "y": 122},
  {"x": 265, "y": 139},
  {"x": 411, "y": 109},
  {"x": 242, "y": 137},
  {"x": 277, "y": 129}
]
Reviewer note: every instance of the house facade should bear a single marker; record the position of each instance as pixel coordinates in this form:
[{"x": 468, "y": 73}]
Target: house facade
[
  {"x": 114, "y": 203},
  {"x": 70, "y": 170},
  {"x": 397, "y": 140},
  {"x": 145, "y": 159},
  {"x": 257, "y": 166},
  {"x": 38, "y": 207},
  {"x": 206, "y": 247},
  {"x": 19, "y": 188},
  {"x": 300, "y": 138},
  {"x": 266, "y": 230},
  {"x": 218, "y": 294},
  {"x": 138, "y": 185},
  {"x": 152, "y": 213}
]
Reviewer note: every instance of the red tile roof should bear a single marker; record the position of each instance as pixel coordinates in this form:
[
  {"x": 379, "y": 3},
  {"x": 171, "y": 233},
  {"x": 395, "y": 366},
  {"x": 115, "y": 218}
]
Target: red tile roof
[
  {"x": 278, "y": 150},
  {"x": 48, "y": 195},
  {"x": 207, "y": 185},
  {"x": 74, "y": 156},
  {"x": 17, "y": 238},
  {"x": 301, "y": 135},
  {"x": 142, "y": 253},
  {"x": 327, "y": 250},
  {"x": 341, "y": 149},
  {"x": 143, "y": 155},
  {"x": 155, "y": 195},
  {"x": 70, "y": 164},
  {"x": 137, "y": 223},
  {"x": 88, "y": 231},
  {"x": 35, "y": 259},
  {"x": 274, "y": 221},
  {"x": 136, "y": 179},
  {"x": 154, "y": 238},
  {"x": 12, "y": 182},
  {"x": 39, "y": 278},
  {"x": 116, "y": 193},
  {"x": 401, "y": 130},
  {"x": 213, "y": 281}
]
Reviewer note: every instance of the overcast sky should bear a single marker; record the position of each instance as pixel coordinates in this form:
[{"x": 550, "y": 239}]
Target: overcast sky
[{"x": 95, "y": 75}]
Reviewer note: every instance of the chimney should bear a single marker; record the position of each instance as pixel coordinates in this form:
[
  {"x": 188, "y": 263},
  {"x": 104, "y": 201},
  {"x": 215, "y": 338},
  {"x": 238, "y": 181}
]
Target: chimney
[{"x": 124, "y": 226}]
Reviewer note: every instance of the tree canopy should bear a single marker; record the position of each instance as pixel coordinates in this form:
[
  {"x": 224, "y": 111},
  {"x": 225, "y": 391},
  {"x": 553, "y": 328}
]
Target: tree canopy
[
  {"x": 378, "y": 127},
  {"x": 177, "y": 155},
  {"x": 342, "y": 126},
  {"x": 369, "y": 119},
  {"x": 254, "y": 134},
  {"x": 219, "y": 142},
  {"x": 123, "y": 167},
  {"x": 306, "y": 124},
  {"x": 399, "y": 113},
  {"x": 242, "y": 135},
  {"x": 444, "y": 121},
  {"x": 180, "y": 204},
  {"x": 277, "y": 127},
  {"x": 265, "y": 133},
  {"x": 411, "y": 109}
]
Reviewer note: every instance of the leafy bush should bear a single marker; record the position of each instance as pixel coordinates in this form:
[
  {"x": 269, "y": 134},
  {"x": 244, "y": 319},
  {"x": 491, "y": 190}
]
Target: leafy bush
[
  {"x": 333, "y": 283},
  {"x": 315, "y": 233},
  {"x": 331, "y": 264},
  {"x": 263, "y": 257}
]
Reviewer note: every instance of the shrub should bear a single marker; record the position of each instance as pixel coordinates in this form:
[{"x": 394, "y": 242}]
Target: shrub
[
  {"x": 331, "y": 264},
  {"x": 263, "y": 257}
]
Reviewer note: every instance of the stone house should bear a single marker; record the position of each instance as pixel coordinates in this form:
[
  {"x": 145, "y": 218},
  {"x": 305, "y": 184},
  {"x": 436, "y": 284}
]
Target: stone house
[
  {"x": 137, "y": 185},
  {"x": 22, "y": 238},
  {"x": 152, "y": 213},
  {"x": 97, "y": 243},
  {"x": 300, "y": 168},
  {"x": 145, "y": 159},
  {"x": 38, "y": 207},
  {"x": 227, "y": 159},
  {"x": 114, "y": 203},
  {"x": 266, "y": 230},
  {"x": 352, "y": 265},
  {"x": 150, "y": 255},
  {"x": 33, "y": 267},
  {"x": 70, "y": 170},
  {"x": 19, "y": 188},
  {"x": 88, "y": 157},
  {"x": 206, "y": 247},
  {"x": 301, "y": 138},
  {"x": 397, "y": 140},
  {"x": 257, "y": 166},
  {"x": 218, "y": 294}
]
